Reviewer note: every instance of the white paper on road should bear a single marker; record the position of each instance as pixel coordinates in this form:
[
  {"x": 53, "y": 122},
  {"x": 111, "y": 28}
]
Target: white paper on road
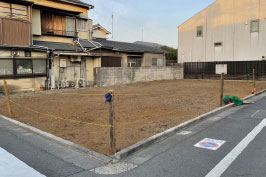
[
  {"x": 10, "y": 166},
  {"x": 210, "y": 144}
]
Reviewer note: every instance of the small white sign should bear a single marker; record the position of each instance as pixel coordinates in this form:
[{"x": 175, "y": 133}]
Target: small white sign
[
  {"x": 221, "y": 68},
  {"x": 210, "y": 144}
]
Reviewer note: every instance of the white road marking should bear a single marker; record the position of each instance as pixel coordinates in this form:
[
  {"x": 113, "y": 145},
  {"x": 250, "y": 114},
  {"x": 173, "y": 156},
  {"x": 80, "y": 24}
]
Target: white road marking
[
  {"x": 27, "y": 134},
  {"x": 185, "y": 133},
  {"x": 10, "y": 166},
  {"x": 221, "y": 167},
  {"x": 255, "y": 113}
]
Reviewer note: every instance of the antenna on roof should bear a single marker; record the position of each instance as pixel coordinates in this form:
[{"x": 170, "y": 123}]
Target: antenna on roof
[
  {"x": 112, "y": 26},
  {"x": 142, "y": 36}
]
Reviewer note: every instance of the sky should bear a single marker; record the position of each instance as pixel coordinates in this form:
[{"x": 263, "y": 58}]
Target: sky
[{"x": 158, "y": 19}]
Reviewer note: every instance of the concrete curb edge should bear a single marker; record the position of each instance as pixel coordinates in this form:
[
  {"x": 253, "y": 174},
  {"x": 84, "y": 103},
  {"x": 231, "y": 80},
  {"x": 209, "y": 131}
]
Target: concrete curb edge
[
  {"x": 160, "y": 136},
  {"x": 91, "y": 153}
]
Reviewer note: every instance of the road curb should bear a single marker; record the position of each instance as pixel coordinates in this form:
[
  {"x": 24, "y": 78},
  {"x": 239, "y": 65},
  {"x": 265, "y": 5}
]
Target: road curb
[
  {"x": 158, "y": 137},
  {"x": 91, "y": 153}
]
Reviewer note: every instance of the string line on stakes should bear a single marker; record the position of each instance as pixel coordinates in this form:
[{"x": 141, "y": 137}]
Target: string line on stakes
[
  {"x": 60, "y": 118},
  {"x": 80, "y": 94}
]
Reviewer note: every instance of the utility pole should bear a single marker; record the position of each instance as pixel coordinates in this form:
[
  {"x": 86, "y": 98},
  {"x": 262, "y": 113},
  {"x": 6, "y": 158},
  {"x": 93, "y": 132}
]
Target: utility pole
[
  {"x": 112, "y": 26},
  {"x": 10, "y": 113},
  {"x": 112, "y": 149},
  {"x": 142, "y": 36},
  {"x": 222, "y": 90}
]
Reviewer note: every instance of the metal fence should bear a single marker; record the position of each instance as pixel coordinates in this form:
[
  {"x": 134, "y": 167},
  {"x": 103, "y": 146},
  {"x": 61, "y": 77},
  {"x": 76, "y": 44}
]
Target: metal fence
[{"x": 234, "y": 68}]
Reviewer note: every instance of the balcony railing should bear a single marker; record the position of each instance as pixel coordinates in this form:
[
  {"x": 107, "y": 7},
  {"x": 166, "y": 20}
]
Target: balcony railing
[
  {"x": 12, "y": 12},
  {"x": 59, "y": 32}
]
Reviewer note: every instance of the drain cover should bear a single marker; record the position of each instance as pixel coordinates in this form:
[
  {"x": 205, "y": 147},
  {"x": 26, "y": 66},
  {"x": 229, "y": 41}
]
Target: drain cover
[{"x": 260, "y": 114}]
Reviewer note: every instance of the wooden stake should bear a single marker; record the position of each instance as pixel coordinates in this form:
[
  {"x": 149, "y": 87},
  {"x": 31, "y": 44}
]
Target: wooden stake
[
  {"x": 222, "y": 90},
  {"x": 7, "y": 100},
  {"x": 112, "y": 149},
  {"x": 254, "y": 82}
]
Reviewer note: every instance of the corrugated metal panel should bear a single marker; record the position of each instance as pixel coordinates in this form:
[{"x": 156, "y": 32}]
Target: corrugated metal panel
[
  {"x": 234, "y": 68},
  {"x": 15, "y": 32}
]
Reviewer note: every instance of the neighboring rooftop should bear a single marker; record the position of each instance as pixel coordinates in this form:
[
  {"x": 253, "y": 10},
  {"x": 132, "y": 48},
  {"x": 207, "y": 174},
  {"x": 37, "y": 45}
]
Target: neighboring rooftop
[
  {"x": 150, "y": 44},
  {"x": 57, "y": 46},
  {"x": 128, "y": 47},
  {"x": 98, "y": 26},
  {"x": 87, "y": 44}
]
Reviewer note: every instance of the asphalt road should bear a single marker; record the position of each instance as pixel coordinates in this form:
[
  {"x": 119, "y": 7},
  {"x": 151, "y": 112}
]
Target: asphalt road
[{"x": 242, "y": 130}]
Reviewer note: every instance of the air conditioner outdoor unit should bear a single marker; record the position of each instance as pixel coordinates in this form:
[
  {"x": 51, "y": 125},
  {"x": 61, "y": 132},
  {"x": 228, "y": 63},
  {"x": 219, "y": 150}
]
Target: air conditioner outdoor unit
[{"x": 75, "y": 59}]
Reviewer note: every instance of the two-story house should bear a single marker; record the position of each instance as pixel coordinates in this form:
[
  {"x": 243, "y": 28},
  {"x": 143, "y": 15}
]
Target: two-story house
[
  {"x": 22, "y": 63},
  {"x": 39, "y": 43},
  {"x": 59, "y": 25}
]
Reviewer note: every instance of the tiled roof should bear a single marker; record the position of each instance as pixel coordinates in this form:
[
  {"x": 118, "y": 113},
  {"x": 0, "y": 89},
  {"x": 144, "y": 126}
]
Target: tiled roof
[
  {"x": 87, "y": 44},
  {"x": 128, "y": 47},
  {"x": 57, "y": 46}
]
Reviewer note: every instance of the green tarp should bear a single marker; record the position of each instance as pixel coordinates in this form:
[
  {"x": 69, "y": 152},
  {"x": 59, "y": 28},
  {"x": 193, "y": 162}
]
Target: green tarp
[{"x": 234, "y": 99}]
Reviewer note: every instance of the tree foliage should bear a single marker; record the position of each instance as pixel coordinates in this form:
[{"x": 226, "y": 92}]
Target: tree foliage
[{"x": 173, "y": 53}]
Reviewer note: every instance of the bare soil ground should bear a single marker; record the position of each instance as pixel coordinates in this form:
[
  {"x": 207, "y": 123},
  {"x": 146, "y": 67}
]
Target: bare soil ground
[{"x": 141, "y": 109}]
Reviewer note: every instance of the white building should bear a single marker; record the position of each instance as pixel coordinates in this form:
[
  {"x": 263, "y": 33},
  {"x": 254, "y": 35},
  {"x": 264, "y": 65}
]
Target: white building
[{"x": 229, "y": 34}]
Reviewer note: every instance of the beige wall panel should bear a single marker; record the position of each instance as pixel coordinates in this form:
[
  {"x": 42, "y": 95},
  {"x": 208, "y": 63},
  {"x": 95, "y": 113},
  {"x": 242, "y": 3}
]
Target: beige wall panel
[
  {"x": 39, "y": 54},
  {"x": 99, "y": 34},
  {"x": 124, "y": 60},
  {"x": 147, "y": 59},
  {"x": 27, "y": 84},
  {"x": 5, "y": 53},
  {"x": 53, "y": 39},
  {"x": 36, "y": 22},
  {"x": 92, "y": 63}
]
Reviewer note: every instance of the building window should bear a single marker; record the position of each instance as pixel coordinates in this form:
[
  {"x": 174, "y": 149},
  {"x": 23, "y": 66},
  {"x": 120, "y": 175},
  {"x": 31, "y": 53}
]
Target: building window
[
  {"x": 154, "y": 62},
  {"x": 82, "y": 25},
  {"x": 6, "y": 67},
  {"x": 199, "y": 31},
  {"x": 134, "y": 61},
  {"x": 255, "y": 25},
  {"x": 30, "y": 67},
  {"x": 39, "y": 66},
  {"x": 70, "y": 26},
  {"x": 27, "y": 53},
  {"x": 218, "y": 44},
  {"x": 24, "y": 67}
]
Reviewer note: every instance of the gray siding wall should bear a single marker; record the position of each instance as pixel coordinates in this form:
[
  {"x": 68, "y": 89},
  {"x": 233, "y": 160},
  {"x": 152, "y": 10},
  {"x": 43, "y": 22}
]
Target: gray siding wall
[{"x": 229, "y": 22}]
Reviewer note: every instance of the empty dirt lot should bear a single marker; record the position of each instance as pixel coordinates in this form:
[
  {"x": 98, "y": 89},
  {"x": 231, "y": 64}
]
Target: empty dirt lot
[{"x": 141, "y": 109}]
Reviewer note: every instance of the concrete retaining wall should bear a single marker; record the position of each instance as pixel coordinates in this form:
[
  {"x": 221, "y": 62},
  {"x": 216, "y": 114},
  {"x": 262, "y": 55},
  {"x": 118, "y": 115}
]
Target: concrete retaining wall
[{"x": 123, "y": 75}]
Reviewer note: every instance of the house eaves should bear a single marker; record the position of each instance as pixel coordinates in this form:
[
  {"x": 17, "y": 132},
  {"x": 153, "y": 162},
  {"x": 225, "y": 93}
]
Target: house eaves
[
  {"x": 14, "y": 47},
  {"x": 77, "y": 2},
  {"x": 58, "y": 46},
  {"x": 98, "y": 26}
]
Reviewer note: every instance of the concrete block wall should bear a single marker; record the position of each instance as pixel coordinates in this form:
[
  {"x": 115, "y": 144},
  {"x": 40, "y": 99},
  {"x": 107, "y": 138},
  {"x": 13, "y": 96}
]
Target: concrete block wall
[{"x": 116, "y": 76}]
